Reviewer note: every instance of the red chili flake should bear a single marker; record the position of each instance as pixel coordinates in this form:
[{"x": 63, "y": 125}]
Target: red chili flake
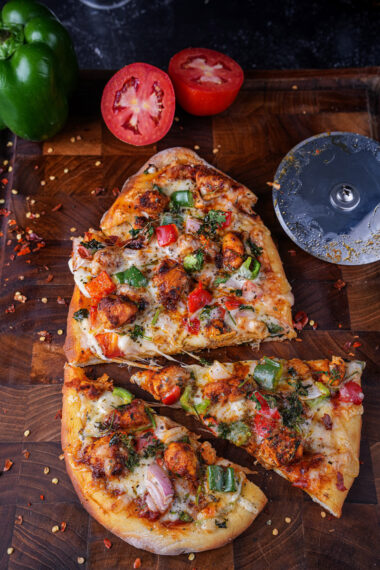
[
  {"x": 115, "y": 191},
  {"x": 292, "y": 252},
  {"x": 4, "y": 181},
  {"x": 42, "y": 497},
  {"x": 347, "y": 346},
  {"x": 29, "y": 504},
  {"x": 50, "y": 277},
  {"x": 6, "y": 213},
  {"x": 107, "y": 543},
  {"x": 48, "y": 336},
  {"x": 19, "y": 519},
  {"x": 63, "y": 526},
  {"x": 315, "y": 325},
  {"x": 61, "y": 301},
  {"x": 300, "y": 320},
  {"x": 24, "y": 250},
  {"x": 352, "y": 354},
  {"x": 36, "y": 167},
  {"x": 327, "y": 421},
  {"x": 356, "y": 344},
  {"x": 58, "y": 415},
  {"x": 137, "y": 563},
  {"x": 339, "y": 325},
  {"x": 340, "y": 482},
  {"x": 26, "y": 453},
  {"x": 1, "y": 234},
  {"x": 56, "y": 208},
  {"x": 98, "y": 191},
  {"x": 8, "y": 464},
  {"x": 339, "y": 284},
  {"x": 10, "y": 309}
]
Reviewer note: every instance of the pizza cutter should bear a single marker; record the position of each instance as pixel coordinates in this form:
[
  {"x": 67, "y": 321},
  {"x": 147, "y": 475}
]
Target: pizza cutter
[{"x": 326, "y": 195}]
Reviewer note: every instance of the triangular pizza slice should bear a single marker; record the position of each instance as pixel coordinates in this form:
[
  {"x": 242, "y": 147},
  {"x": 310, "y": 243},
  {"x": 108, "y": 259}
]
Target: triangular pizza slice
[
  {"x": 182, "y": 262},
  {"x": 300, "y": 418},
  {"x": 146, "y": 478}
]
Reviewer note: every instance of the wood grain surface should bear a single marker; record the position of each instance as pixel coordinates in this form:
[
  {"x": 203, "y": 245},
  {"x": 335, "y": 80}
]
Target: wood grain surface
[{"x": 57, "y": 190}]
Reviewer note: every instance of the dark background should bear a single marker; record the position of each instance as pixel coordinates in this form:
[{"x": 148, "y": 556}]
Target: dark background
[{"x": 270, "y": 34}]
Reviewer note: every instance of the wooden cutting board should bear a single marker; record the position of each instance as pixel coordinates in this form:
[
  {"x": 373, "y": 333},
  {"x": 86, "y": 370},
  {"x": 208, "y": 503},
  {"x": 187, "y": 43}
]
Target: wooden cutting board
[{"x": 60, "y": 188}]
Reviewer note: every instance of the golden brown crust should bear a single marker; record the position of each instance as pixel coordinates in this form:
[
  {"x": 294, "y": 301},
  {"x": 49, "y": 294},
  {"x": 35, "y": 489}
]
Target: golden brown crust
[
  {"x": 141, "y": 533},
  {"x": 177, "y": 155}
]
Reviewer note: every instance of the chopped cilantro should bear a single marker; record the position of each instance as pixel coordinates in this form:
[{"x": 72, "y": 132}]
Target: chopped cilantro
[
  {"x": 126, "y": 441},
  {"x": 81, "y": 314},
  {"x": 213, "y": 220},
  {"x": 153, "y": 449},
  {"x": 237, "y": 292},
  {"x": 138, "y": 332},
  {"x": 291, "y": 410},
  {"x": 92, "y": 244},
  {"x": 255, "y": 249},
  {"x": 185, "y": 517},
  {"x": 205, "y": 313},
  {"x": 274, "y": 328},
  {"x": 134, "y": 232},
  {"x": 220, "y": 280},
  {"x": 246, "y": 308},
  {"x": 204, "y": 361}
]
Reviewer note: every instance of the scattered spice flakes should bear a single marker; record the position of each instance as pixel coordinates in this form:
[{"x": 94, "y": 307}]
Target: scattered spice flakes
[
  {"x": 42, "y": 497},
  {"x": 191, "y": 556},
  {"x": 98, "y": 190},
  {"x": 61, "y": 457},
  {"x": 98, "y": 163},
  {"x": 288, "y": 520},
  {"x": 45, "y": 336},
  {"x": 137, "y": 563},
  {"x": 44, "y": 300},
  {"x": 292, "y": 252},
  {"x": 56, "y": 207},
  {"x": 196, "y": 147},
  {"x": 58, "y": 415},
  {"x": 27, "y": 433},
  {"x": 323, "y": 514},
  {"x": 26, "y": 453},
  {"x": 61, "y": 300},
  {"x": 339, "y": 284},
  {"x": 115, "y": 191},
  {"x": 19, "y": 519},
  {"x": 274, "y": 185},
  {"x": 10, "y": 309},
  {"x": 8, "y": 465},
  {"x": 55, "y": 480},
  {"x": 55, "y": 529},
  {"x": 10, "y": 550},
  {"x": 347, "y": 346},
  {"x": 81, "y": 560},
  {"x": 4, "y": 212},
  {"x": 107, "y": 543},
  {"x": 50, "y": 277},
  {"x": 356, "y": 344},
  {"x": 275, "y": 531},
  {"x": 46, "y": 470},
  {"x": 63, "y": 526},
  {"x": 300, "y": 320}
]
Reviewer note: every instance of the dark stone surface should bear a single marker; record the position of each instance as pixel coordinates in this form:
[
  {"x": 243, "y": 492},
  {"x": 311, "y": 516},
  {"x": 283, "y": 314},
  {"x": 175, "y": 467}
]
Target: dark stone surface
[{"x": 266, "y": 35}]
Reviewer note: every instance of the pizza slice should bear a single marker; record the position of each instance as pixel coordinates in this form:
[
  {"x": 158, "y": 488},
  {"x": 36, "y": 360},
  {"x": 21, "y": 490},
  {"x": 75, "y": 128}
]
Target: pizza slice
[
  {"x": 182, "y": 262},
  {"x": 146, "y": 478},
  {"x": 300, "y": 418}
]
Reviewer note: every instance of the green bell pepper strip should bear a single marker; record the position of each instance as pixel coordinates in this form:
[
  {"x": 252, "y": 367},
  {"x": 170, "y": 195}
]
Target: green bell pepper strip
[
  {"x": 194, "y": 261},
  {"x": 124, "y": 394},
  {"x": 185, "y": 399},
  {"x": 322, "y": 388},
  {"x": 268, "y": 374},
  {"x": 249, "y": 269},
  {"x": 220, "y": 479},
  {"x": 239, "y": 433},
  {"x": 182, "y": 198},
  {"x": 38, "y": 70},
  {"x": 132, "y": 276},
  {"x": 202, "y": 407}
]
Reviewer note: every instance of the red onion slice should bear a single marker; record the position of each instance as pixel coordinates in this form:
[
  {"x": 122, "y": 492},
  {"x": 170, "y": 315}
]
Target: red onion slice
[
  {"x": 159, "y": 487},
  {"x": 192, "y": 225}
]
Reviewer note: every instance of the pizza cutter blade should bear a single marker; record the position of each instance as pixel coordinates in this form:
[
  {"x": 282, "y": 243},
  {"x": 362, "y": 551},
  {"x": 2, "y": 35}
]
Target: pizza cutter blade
[{"x": 326, "y": 195}]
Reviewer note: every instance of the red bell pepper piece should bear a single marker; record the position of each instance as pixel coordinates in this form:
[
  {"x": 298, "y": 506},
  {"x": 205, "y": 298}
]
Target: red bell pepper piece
[
  {"x": 193, "y": 326},
  {"x": 100, "y": 286},
  {"x": 265, "y": 409},
  {"x": 166, "y": 234},
  {"x": 351, "y": 392},
  {"x": 109, "y": 344},
  {"x": 198, "y": 298},
  {"x": 227, "y": 222},
  {"x": 172, "y": 397},
  {"x": 263, "y": 425},
  {"x": 232, "y": 303}
]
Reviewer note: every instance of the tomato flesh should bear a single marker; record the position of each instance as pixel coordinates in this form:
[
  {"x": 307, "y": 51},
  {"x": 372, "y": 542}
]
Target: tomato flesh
[
  {"x": 206, "y": 82},
  {"x": 351, "y": 392},
  {"x": 193, "y": 326},
  {"x": 172, "y": 396},
  {"x": 232, "y": 303},
  {"x": 138, "y": 104}
]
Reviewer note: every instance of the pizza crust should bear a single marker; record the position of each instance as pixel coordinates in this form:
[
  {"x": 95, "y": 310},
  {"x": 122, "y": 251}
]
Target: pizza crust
[
  {"x": 110, "y": 511},
  {"x": 177, "y": 155}
]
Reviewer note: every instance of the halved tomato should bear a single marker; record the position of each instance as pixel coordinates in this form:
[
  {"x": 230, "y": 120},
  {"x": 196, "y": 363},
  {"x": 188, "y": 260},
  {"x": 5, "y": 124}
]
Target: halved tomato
[
  {"x": 138, "y": 104},
  {"x": 206, "y": 82}
]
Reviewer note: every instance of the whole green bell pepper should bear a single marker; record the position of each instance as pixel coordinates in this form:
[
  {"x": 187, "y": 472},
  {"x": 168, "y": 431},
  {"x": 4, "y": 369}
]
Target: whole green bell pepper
[{"x": 38, "y": 70}]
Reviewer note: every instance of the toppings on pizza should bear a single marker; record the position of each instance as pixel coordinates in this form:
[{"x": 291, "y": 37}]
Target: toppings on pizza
[
  {"x": 148, "y": 466},
  {"x": 182, "y": 257},
  {"x": 290, "y": 415}
]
